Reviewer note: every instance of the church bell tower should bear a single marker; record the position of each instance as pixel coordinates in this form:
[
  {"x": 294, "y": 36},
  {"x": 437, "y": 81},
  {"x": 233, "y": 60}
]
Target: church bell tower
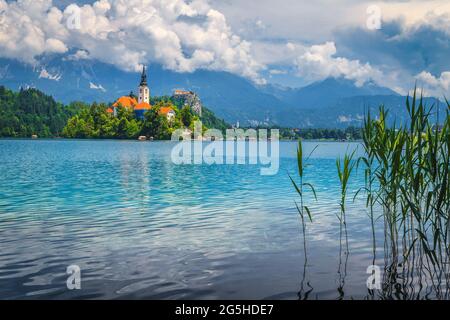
[{"x": 144, "y": 91}]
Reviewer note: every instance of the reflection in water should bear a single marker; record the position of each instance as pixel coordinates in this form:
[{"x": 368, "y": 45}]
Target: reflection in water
[
  {"x": 414, "y": 277},
  {"x": 135, "y": 178},
  {"x": 305, "y": 285},
  {"x": 408, "y": 277},
  {"x": 343, "y": 261}
]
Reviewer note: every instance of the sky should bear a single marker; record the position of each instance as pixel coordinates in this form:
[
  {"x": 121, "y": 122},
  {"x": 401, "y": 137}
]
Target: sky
[{"x": 393, "y": 43}]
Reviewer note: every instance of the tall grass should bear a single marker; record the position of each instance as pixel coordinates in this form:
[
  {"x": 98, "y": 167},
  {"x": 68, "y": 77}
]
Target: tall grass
[
  {"x": 303, "y": 211},
  {"x": 344, "y": 169},
  {"x": 409, "y": 164},
  {"x": 407, "y": 188},
  {"x": 300, "y": 186}
]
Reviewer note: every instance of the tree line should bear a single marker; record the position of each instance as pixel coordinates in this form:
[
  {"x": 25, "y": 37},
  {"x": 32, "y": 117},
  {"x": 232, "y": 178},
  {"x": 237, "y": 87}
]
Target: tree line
[{"x": 349, "y": 133}]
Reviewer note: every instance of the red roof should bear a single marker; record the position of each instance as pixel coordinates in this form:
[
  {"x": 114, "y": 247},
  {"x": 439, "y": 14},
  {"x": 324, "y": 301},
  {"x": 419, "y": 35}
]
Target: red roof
[
  {"x": 126, "y": 102},
  {"x": 143, "y": 106},
  {"x": 165, "y": 110}
]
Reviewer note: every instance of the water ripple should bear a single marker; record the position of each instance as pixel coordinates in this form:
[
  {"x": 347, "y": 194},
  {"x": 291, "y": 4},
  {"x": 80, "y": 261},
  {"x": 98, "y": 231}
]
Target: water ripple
[{"x": 140, "y": 227}]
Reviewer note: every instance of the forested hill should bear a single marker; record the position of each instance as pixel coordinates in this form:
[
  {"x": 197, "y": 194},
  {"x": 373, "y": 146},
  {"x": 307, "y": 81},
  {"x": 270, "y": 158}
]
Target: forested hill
[{"x": 30, "y": 112}]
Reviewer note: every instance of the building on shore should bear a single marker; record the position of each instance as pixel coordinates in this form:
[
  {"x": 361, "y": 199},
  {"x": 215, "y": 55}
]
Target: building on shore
[{"x": 142, "y": 104}]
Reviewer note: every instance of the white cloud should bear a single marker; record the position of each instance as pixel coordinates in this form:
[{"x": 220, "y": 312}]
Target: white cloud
[
  {"x": 418, "y": 12},
  {"x": 79, "y": 55},
  {"x": 309, "y": 63},
  {"x": 305, "y": 22},
  {"x": 186, "y": 35},
  {"x": 319, "y": 62},
  {"x": 435, "y": 86},
  {"x": 260, "y": 24},
  {"x": 181, "y": 35},
  {"x": 273, "y": 53},
  {"x": 55, "y": 46},
  {"x": 299, "y": 19}
]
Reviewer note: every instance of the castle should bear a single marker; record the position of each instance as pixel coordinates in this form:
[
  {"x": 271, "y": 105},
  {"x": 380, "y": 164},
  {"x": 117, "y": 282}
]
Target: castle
[
  {"x": 142, "y": 104},
  {"x": 190, "y": 99}
]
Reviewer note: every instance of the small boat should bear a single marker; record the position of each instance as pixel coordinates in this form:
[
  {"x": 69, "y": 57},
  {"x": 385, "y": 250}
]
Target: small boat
[
  {"x": 34, "y": 136},
  {"x": 142, "y": 138}
]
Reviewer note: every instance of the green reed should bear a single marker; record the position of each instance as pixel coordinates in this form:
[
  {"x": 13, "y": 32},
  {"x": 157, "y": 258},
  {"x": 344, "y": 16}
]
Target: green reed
[
  {"x": 344, "y": 169},
  {"x": 369, "y": 175},
  {"x": 409, "y": 164},
  {"x": 303, "y": 210},
  {"x": 300, "y": 187},
  {"x": 407, "y": 188}
]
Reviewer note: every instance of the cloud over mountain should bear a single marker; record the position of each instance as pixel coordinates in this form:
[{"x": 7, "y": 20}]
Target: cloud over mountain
[
  {"x": 181, "y": 35},
  {"x": 407, "y": 52},
  {"x": 320, "y": 62},
  {"x": 434, "y": 86}
]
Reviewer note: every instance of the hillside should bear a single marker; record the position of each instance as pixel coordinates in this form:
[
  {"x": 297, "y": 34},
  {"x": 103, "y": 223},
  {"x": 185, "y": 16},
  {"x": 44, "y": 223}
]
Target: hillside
[{"x": 29, "y": 112}]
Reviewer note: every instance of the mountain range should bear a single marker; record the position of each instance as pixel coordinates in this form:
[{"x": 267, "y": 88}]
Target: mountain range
[{"x": 331, "y": 103}]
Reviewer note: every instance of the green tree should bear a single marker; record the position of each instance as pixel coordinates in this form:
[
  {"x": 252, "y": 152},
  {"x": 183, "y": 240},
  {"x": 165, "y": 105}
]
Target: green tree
[
  {"x": 155, "y": 125},
  {"x": 186, "y": 116},
  {"x": 29, "y": 112}
]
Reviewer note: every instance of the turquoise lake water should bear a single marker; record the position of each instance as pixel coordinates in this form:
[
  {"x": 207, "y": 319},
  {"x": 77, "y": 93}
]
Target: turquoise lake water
[{"x": 142, "y": 227}]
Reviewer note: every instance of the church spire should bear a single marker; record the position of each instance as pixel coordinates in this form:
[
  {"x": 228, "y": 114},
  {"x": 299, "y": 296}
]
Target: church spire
[
  {"x": 144, "y": 77},
  {"x": 144, "y": 91}
]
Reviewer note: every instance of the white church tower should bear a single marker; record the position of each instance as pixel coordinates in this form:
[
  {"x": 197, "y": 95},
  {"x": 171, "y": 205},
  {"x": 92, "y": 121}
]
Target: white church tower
[{"x": 144, "y": 91}]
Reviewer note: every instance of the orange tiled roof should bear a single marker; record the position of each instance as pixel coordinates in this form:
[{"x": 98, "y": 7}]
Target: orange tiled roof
[
  {"x": 143, "y": 106},
  {"x": 165, "y": 110},
  {"x": 126, "y": 102},
  {"x": 110, "y": 110}
]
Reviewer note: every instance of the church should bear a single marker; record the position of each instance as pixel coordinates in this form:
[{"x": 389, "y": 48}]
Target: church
[{"x": 142, "y": 105}]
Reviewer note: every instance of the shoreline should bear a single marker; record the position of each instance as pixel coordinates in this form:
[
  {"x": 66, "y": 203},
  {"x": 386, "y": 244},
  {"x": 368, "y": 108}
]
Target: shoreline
[{"x": 137, "y": 140}]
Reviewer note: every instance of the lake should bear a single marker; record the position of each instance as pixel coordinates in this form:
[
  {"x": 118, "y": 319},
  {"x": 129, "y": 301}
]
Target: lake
[{"x": 141, "y": 227}]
